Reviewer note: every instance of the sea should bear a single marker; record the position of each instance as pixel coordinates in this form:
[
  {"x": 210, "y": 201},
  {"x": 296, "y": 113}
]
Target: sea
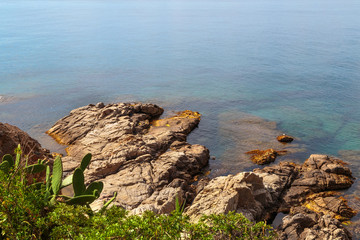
[{"x": 252, "y": 68}]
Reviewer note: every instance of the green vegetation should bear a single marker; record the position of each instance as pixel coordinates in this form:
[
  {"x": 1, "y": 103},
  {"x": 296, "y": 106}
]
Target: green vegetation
[{"x": 37, "y": 211}]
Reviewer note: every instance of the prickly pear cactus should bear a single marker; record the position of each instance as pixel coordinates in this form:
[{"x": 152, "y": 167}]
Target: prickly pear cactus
[
  {"x": 57, "y": 175},
  {"x": 8, "y": 158},
  {"x": 85, "y": 161},
  {"x": 81, "y": 200},
  {"x": 7, "y": 163},
  {"x": 35, "y": 168},
  {"x": 94, "y": 186},
  {"x": 78, "y": 182},
  {"x": 5, "y": 167}
]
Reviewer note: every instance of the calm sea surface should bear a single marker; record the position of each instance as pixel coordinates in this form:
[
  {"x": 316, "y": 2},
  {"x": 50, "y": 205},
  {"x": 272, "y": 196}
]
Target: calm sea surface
[{"x": 293, "y": 62}]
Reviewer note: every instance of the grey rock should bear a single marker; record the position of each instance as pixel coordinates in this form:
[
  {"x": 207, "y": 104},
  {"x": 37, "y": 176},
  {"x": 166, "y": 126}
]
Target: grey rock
[
  {"x": 244, "y": 192},
  {"x": 302, "y": 227},
  {"x": 145, "y": 159}
]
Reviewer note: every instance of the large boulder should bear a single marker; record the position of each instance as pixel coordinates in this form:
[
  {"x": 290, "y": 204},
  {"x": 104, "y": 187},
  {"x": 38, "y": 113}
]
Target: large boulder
[
  {"x": 319, "y": 173},
  {"x": 244, "y": 192},
  {"x": 256, "y": 194},
  {"x": 145, "y": 159},
  {"x": 11, "y": 136}
]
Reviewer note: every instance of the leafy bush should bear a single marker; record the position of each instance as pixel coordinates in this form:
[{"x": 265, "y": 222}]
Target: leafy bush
[
  {"x": 22, "y": 208},
  {"x": 229, "y": 226},
  {"x": 78, "y": 223}
]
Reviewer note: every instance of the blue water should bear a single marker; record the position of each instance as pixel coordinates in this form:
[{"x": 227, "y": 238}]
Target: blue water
[{"x": 294, "y": 62}]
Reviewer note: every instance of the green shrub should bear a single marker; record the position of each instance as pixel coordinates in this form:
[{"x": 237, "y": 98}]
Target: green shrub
[
  {"x": 115, "y": 223},
  {"x": 22, "y": 208},
  {"x": 229, "y": 226}
]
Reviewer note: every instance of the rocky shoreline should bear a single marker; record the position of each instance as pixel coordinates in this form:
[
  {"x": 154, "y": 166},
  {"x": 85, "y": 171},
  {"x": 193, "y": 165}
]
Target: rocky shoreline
[{"x": 149, "y": 163}]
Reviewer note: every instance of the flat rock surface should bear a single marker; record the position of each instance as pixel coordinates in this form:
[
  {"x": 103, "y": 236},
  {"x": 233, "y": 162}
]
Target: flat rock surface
[{"x": 145, "y": 159}]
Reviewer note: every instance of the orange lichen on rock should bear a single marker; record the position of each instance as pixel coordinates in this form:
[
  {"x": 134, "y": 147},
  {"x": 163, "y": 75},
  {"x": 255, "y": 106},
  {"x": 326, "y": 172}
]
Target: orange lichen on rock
[
  {"x": 56, "y": 137},
  {"x": 179, "y": 115},
  {"x": 329, "y": 203},
  {"x": 262, "y": 157}
]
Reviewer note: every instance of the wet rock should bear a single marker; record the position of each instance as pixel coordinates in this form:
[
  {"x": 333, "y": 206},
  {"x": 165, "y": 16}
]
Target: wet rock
[
  {"x": 145, "y": 159},
  {"x": 262, "y": 157},
  {"x": 285, "y": 138},
  {"x": 300, "y": 226}
]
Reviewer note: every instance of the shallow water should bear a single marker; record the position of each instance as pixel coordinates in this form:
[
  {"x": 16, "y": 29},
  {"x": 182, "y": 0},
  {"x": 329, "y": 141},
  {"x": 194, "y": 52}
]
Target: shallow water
[{"x": 295, "y": 63}]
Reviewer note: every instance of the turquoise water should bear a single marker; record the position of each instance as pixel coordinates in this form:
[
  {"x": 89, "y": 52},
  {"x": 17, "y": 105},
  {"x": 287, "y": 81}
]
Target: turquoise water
[
  {"x": 241, "y": 63},
  {"x": 293, "y": 62}
]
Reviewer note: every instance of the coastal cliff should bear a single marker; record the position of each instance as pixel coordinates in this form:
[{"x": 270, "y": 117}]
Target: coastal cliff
[{"x": 149, "y": 163}]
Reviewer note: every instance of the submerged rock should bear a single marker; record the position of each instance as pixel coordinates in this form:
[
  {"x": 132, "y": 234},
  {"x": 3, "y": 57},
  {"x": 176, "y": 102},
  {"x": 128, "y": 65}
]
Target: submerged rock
[
  {"x": 262, "y": 157},
  {"x": 285, "y": 138},
  {"x": 240, "y": 133},
  {"x": 145, "y": 159}
]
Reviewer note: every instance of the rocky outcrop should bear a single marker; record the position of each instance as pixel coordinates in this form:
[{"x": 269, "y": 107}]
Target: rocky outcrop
[
  {"x": 303, "y": 227},
  {"x": 145, "y": 159},
  {"x": 302, "y": 190},
  {"x": 149, "y": 163},
  {"x": 11, "y": 136},
  {"x": 256, "y": 194},
  {"x": 319, "y": 173},
  {"x": 328, "y": 203}
]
